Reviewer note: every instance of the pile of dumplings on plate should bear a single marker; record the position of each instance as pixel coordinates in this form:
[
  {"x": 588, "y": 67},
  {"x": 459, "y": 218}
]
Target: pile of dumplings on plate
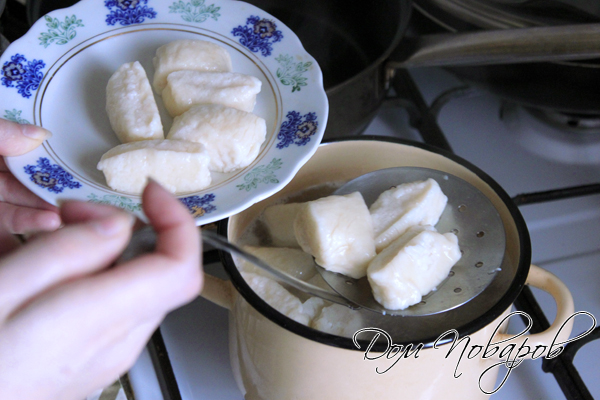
[
  {"x": 213, "y": 130},
  {"x": 394, "y": 243}
]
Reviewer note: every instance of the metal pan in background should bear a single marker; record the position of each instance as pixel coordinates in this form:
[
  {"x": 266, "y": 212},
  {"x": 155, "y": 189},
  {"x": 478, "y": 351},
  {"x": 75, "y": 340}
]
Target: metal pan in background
[
  {"x": 568, "y": 87},
  {"x": 3, "y": 42},
  {"x": 359, "y": 47},
  {"x": 351, "y": 41}
]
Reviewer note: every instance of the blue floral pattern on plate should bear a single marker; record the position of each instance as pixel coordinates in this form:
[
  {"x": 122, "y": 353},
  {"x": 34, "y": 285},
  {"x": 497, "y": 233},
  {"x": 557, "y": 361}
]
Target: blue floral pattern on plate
[
  {"x": 258, "y": 35},
  {"x": 128, "y": 12},
  {"x": 298, "y": 129},
  {"x": 22, "y": 74},
  {"x": 51, "y": 176},
  {"x": 57, "y": 65},
  {"x": 198, "y": 205}
]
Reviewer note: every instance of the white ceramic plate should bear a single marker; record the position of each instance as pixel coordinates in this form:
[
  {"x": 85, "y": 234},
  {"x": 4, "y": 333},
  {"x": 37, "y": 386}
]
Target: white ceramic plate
[{"x": 56, "y": 76}]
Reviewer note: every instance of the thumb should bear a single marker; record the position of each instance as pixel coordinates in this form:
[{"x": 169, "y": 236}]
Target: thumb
[{"x": 17, "y": 139}]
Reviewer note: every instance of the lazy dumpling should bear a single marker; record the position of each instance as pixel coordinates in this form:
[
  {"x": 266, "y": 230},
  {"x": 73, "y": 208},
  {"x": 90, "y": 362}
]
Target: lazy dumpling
[
  {"x": 282, "y": 300},
  {"x": 412, "y": 266},
  {"x": 337, "y": 320},
  {"x": 338, "y": 232},
  {"x": 130, "y": 105},
  {"x": 404, "y": 206},
  {"x": 186, "y": 89},
  {"x": 197, "y": 55},
  {"x": 177, "y": 165},
  {"x": 231, "y": 137}
]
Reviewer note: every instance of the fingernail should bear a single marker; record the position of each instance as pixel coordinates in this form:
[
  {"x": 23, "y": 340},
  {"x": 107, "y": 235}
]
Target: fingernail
[
  {"x": 132, "y": 219},
  {"x": 35, "y": 132},
  {"x": 152, "y": 180},
  {"x": 50, "y": 221},
  {"x": 111, "y": 226}
]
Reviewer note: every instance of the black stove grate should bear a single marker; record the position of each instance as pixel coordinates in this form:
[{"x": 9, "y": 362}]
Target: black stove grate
[{"x": 424, "y": 119}]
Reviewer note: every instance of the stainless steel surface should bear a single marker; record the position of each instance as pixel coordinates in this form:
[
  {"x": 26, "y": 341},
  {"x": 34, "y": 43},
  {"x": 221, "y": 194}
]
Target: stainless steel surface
[
  {"x": 565, "y": 86},
  {"x": 3, "y": 44},
  {"x": 349, "y": 49},
  {"x": 352, "y": 53},
  {"x": 510, "y": 14},
  {"x": 510, "y": 46},
  {"x": 469, "y": 214}
]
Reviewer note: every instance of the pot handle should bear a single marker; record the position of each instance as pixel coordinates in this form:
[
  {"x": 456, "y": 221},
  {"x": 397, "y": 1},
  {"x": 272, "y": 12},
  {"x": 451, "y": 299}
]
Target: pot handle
[
  {"x": 218, "y": 291},
  {"x": 502, "y": 46},
  {"x": 560, "y": 330}
]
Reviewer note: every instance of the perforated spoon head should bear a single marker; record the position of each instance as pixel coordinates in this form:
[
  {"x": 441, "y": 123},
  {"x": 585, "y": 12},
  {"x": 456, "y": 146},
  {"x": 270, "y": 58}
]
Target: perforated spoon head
[{"x": 469, "y": 214}]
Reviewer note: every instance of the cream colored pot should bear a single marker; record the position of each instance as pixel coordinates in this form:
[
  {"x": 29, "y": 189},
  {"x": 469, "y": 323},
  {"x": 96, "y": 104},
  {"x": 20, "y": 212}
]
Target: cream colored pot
[{"x": 275, "y": 358}]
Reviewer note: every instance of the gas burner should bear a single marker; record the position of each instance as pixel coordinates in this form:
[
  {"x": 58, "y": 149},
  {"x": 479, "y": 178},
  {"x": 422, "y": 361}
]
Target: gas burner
[
  {"x": 557, "y": 137},
  {"x": 569, "y": 122}
]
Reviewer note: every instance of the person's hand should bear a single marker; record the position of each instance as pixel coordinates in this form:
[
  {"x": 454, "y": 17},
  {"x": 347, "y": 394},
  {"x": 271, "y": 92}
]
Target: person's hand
[
  {"x": 69, "y": 324},
  {"x": 20, "y": 210}
]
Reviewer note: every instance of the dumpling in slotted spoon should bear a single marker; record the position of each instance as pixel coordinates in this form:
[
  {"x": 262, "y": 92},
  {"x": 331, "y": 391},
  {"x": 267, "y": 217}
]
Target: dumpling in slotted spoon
[
  {"x": 338, "y": 232},
  {"x": 398, "y": 209},
  {"x": 411, "y": 266}
]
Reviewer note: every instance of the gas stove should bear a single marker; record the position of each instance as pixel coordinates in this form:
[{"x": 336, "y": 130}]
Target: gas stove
[
  {"x": 550, "y": 165},
  {"x": 552, "y": 172}
]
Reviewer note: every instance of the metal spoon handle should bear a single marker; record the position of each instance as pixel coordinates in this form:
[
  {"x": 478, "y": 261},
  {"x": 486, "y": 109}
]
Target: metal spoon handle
[
  {"x": 144, "y": 241},
  {"x": 222, "y": 243}
]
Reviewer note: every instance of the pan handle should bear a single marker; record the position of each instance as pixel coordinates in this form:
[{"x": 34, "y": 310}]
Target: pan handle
[
  {"x": 218, "y": 291},
  {"x": 561, "y": 328},
  {"x": 505, "y": 46}
]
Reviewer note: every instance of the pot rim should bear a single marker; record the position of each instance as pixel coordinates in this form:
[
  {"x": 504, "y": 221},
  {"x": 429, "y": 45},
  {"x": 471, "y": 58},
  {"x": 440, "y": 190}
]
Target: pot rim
[
  {"x": 406, "y": 8},
  {"x": 347, "y": 343}
]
